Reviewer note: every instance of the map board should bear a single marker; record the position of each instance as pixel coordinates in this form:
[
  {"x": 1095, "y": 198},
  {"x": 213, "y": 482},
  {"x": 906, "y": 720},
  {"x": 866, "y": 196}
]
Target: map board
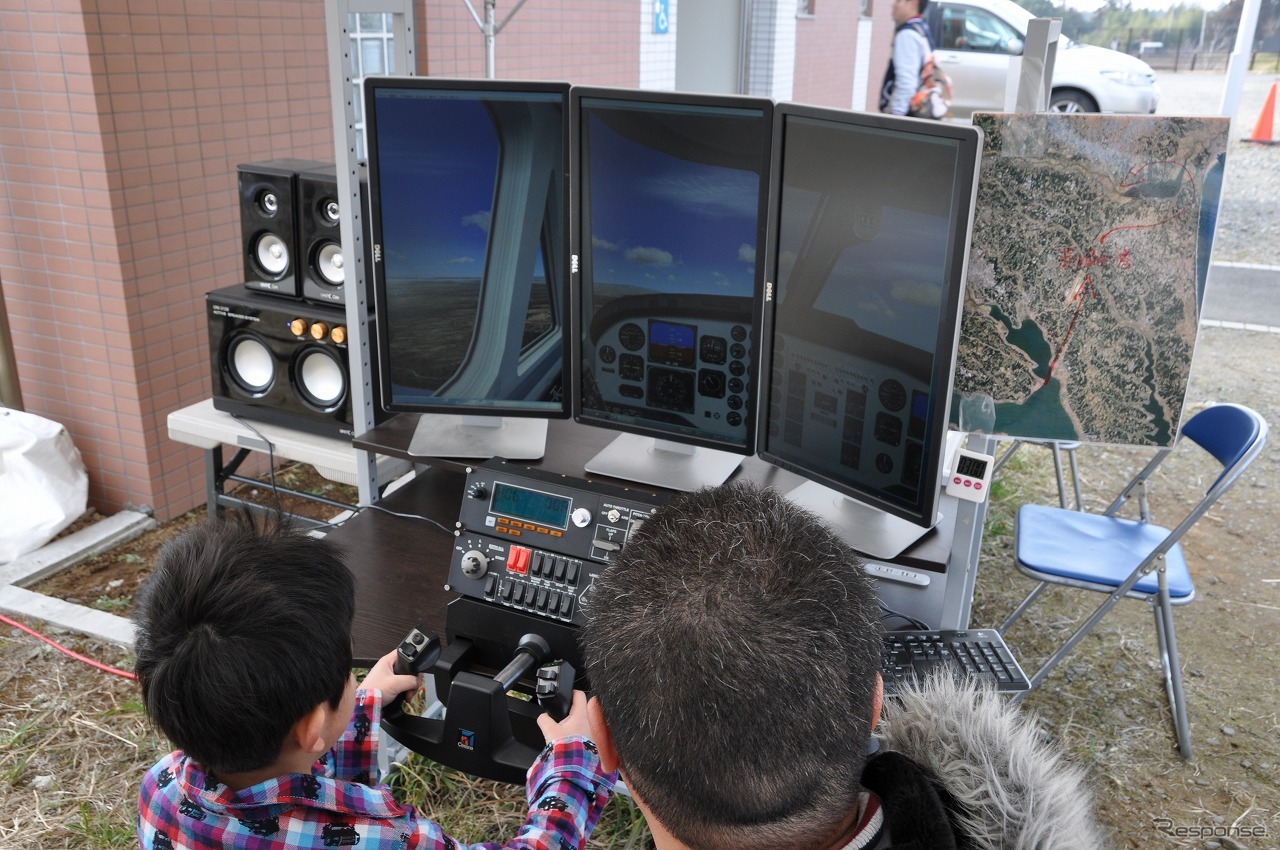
[{"x": 1084, "y": 286}]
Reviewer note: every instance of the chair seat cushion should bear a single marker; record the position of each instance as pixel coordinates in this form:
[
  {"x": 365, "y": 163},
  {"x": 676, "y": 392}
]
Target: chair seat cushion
[{"x": 1096, "y": 549}]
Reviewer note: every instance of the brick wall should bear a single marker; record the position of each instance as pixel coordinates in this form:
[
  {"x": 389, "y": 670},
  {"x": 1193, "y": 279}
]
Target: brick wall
[
  {"x": 586, "y": 44},
  {"x": 121, "y": 124},
  {"x": 825, "y": 48}
]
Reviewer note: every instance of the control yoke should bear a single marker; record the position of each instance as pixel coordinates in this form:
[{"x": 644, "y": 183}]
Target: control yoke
[{"x": 475, "y": 733}]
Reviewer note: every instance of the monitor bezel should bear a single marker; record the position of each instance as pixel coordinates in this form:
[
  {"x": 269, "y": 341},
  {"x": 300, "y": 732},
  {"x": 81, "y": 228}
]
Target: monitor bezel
[
  {"x": 501, "y": 408},
  {"x": 942, "y": 375},
  {"x": 766, "y": 106}
]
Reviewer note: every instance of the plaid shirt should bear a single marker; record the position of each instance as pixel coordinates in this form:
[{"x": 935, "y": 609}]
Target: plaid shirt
[{"x": 336, "y": 805}]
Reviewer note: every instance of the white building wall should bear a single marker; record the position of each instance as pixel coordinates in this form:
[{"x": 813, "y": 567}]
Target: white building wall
[
  {"x": 772, "y": 49},
  {"x": 657, "y": 50}
]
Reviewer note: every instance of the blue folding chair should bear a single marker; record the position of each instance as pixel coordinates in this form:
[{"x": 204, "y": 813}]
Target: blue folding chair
[{"x": 1117, "y": 556}]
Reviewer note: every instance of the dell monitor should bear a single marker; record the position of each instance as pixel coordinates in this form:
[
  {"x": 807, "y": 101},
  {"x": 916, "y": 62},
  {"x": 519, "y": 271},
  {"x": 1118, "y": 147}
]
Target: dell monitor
[
  {"x": 469, "y": 223},
  {"x": 671, "y": 194},
  {"x": 866, "y": 264}
]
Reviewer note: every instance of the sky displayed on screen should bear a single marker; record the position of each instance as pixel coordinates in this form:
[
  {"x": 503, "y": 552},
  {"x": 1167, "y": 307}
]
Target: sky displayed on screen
[
  {"x": 668, "y": 224},
  {"x": 438, "y": 160}
]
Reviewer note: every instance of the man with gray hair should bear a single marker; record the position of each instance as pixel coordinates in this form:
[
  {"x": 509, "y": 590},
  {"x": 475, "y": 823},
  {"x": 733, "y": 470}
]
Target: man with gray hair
[{"x": 734, "y": 651}]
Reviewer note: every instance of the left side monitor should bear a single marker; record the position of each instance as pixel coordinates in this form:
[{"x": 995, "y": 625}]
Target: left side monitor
[{"x": 469, "y": 225}]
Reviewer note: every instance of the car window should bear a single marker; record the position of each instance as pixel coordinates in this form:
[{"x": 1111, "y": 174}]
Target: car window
[{"x": 967, "y": 28}]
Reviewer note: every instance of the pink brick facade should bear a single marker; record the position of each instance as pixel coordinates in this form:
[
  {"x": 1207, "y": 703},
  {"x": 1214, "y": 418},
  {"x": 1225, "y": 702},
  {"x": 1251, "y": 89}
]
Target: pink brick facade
[
  {"x": 121, "y": 126},
  {"x": 825, "y": 47}
]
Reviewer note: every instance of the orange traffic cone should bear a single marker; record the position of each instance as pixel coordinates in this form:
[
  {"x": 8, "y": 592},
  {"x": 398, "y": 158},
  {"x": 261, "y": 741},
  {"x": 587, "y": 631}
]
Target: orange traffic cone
[{"x": 1262, "y": 132}]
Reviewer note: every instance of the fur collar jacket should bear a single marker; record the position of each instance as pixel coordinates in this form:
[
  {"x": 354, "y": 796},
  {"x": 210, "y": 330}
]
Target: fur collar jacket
[{"x": 961, "y": 767}]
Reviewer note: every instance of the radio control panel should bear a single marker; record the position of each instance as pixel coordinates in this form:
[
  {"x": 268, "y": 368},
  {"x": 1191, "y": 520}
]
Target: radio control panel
[{"x": 536, "y": 541}]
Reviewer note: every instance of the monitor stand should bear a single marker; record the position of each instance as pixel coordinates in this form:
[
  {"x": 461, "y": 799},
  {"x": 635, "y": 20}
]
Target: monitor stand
[
  {"x": 472, "y": 436},
  {"x": 867, "y": 529},
  {"x": 663, "y": 463}
]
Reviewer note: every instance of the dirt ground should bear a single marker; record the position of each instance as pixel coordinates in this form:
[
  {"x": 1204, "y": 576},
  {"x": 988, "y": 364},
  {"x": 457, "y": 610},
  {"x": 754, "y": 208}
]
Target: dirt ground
[{"x": 73, "y": 742}]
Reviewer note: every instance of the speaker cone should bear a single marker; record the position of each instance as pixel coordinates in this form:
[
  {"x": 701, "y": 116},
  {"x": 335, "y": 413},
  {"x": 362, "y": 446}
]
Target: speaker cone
[
  {"x": 250, "y": 364},
  {"x": 320, "y": 378},
  {"x": 272, "y": 254},
  {"x": 329, "y": 264}
]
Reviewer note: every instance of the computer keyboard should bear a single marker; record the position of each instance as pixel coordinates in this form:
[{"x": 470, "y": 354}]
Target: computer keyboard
[{"x": 980, "y": 653}]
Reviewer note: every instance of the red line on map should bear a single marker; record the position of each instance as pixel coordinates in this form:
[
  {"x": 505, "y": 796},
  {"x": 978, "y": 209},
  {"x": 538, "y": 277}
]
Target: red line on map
[
  {"x": 1085, "y": 284},
  {"x": 1138, "y": 178}
]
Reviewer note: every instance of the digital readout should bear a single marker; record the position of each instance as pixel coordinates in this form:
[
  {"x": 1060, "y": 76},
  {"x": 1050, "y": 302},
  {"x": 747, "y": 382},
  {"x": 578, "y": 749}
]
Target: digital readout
[
  {"x": 530, "y": 505},
  {"x": 971, "y": 467}
]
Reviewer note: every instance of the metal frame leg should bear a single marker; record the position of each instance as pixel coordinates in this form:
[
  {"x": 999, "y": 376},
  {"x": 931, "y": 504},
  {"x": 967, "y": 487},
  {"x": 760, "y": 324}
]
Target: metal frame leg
[
  {"x": 1022, "y": 607},
  {"x": 1168, "y": 646}
]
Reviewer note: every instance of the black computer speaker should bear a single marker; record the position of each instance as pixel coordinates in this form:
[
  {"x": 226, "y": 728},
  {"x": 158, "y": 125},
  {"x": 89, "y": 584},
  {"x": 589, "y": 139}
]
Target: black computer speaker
[
  {"x": 279, "y": 362},
  {"x": 319, "y": 238},
  {"x": 269, "y": 224}
]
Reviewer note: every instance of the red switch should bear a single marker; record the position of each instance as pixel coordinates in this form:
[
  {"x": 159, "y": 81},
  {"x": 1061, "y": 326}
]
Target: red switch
[{"x": 518, "y": 559}]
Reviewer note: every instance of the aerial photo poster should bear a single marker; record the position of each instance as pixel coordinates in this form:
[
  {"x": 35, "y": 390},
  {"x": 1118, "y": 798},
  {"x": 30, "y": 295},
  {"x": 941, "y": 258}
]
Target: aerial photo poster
[{"x": 1090, "y": 247}]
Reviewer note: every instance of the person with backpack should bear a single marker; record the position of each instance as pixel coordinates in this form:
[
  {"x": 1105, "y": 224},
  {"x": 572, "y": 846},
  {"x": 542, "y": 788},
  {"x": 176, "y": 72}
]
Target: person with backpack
[{"x": 912, "y": 83}]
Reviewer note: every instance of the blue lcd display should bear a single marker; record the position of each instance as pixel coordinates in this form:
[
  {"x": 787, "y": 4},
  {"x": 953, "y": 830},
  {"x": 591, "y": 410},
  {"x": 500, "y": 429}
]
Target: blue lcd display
[{"x": 542, "y": 508}]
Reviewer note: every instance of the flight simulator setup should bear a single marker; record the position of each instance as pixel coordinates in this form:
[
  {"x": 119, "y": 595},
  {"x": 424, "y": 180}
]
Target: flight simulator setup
[{"x": 714, "y": 278}]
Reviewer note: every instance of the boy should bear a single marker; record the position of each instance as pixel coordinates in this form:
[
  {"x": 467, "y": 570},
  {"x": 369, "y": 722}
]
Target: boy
[{"x": 244, "y": 660}]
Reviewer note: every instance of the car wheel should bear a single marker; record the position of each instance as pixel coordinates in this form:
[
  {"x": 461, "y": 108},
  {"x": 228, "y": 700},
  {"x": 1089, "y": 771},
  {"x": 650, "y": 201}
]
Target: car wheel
[{"x": 1071, "y": 101}]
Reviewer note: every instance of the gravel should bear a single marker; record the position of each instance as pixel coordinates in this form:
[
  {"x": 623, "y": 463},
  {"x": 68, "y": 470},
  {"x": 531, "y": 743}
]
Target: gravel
[{"x": 1249, "y": 218}]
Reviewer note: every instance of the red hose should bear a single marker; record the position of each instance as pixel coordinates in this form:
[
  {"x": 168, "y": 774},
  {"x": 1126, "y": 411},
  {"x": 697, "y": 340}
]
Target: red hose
[{"x": 104, "y": 667}]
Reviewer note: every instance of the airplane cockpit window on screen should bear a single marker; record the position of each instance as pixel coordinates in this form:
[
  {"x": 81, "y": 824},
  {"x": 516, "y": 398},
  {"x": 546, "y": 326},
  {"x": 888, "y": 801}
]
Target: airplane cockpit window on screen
[
  {"x": 471, "y": 209},
  {"x": 671, "y": 223}
]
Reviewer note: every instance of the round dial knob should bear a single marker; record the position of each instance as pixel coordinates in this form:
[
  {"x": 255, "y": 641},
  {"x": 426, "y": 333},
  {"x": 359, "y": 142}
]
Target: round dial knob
[
  {"x": 339, "y": 335},
  {"x": 474, "y": 564},
  {"x": 319, "y": 330},
  {"x": 478, "y": 491},
  {"x": 298, "y": 326},
  {"x": 581, "y": 517}
]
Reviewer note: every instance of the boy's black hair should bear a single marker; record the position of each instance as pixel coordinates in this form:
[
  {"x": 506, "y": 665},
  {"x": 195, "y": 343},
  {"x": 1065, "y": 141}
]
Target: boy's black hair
[
  {"x": 733, "y": 645},
  {"x": 242, "y": 628},
  {"x": 923, "y": 4}
]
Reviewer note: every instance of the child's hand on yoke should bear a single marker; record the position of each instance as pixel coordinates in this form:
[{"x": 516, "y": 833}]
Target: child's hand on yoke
[
  {"x": 574, "y": 723},
  {"x": 382, "y": 676}
]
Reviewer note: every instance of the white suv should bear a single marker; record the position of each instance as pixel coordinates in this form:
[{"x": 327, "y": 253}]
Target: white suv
[{"x": 975, "y": 40}]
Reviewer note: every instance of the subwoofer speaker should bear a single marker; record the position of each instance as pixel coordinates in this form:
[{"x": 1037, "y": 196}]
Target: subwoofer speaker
[
  {"x": 269, "y": 224},
  {"x": 323, "y": 268},
  {"x": 279, "y": 362}
]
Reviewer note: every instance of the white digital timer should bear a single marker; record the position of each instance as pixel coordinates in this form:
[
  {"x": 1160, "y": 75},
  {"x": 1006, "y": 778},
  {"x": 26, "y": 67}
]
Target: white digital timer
[{"x": 970, "y": 476}]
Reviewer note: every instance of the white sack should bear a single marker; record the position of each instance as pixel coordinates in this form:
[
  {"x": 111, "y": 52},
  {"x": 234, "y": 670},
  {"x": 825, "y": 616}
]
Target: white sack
[{"x": 43, "y": 483}]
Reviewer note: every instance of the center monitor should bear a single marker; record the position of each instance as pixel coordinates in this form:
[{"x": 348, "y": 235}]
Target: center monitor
[
  {"x": 672, "y": 198},
  {"x": 867, "y": 264},
  {"x": 469, "y": 218}
]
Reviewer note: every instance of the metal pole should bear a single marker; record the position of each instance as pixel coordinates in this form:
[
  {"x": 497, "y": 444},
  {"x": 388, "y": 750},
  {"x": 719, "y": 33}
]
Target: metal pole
[
  {"x": 1239, "y": 61},
  {"x": 490, "y": 32},
  {"x": 10, "y": 391}
]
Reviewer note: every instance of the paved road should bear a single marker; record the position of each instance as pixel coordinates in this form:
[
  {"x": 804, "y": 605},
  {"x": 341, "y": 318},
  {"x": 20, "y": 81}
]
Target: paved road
[{"x": 1238, "y": 292}]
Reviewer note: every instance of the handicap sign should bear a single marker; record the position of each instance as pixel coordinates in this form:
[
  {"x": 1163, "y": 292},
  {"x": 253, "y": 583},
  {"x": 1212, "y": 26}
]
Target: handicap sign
[{"x": 660, "y": 18}]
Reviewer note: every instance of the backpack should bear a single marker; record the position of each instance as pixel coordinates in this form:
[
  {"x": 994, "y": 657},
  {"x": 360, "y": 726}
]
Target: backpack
[{"x": 933, "y": 96}]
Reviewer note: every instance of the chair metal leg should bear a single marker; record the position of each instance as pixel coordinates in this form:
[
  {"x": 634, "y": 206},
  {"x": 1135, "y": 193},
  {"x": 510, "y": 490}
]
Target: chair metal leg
[
  {"x": 1168, "y": 646},
  {"x": 1077, "y": 636},
  {"x": 1075, "y": 477},
  {"x": 1057, "y": 474},
  {"x": 1022, "y": 607}
]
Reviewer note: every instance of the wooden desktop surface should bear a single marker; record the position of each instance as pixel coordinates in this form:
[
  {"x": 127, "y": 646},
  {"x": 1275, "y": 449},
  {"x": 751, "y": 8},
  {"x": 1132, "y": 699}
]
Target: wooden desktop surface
[{"x": 402, "y": 563}]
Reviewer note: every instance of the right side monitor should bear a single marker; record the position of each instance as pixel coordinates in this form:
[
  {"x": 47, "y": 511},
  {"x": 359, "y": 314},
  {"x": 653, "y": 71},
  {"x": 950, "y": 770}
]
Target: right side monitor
[{"x": 865, "y": 281}]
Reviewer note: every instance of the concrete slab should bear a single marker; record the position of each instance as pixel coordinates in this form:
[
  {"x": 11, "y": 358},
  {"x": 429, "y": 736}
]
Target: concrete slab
[
  {"x": 59, "y": 554},
  {"x": 77, "y": 618}
]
